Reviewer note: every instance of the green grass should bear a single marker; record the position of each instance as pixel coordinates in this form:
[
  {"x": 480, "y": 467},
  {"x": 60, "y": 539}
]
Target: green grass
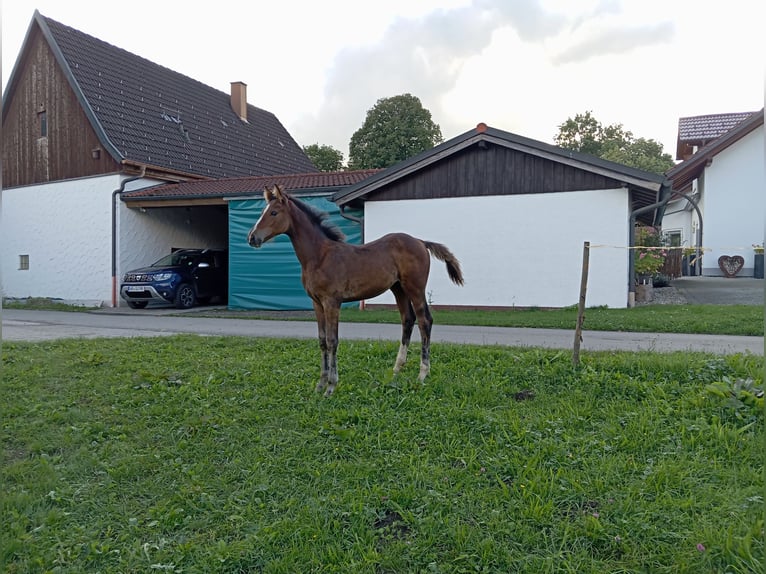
[
  {"x": 207, "y": 454},
  {"x": 701, "y": 319},
  {"x": 43, "y": 303},
  {"x": 697, "y": 319}
]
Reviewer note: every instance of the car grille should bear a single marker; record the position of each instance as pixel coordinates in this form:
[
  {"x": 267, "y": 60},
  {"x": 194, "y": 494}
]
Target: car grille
[{"x": 138, "y": 278}]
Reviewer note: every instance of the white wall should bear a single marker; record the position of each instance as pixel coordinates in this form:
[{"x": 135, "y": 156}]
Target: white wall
[
  {"x": 65, "y": 229},
  {"x": 735, "y": 200},
  {"x": 518, "y": 250}
]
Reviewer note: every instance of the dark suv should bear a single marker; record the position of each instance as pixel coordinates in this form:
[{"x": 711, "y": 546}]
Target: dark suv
[{"x": 184, "y": 278}]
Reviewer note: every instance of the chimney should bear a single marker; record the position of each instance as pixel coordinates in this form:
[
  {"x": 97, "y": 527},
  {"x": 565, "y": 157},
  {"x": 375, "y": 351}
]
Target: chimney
[{"x": 239, "y": 99}]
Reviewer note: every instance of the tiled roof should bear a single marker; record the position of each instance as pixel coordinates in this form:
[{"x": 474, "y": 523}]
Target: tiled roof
[
  {"x": 200, "y": 189},
  {"x": 682, "y": 174},
  {"x": 698, "y": 128},
  {"x": 149, "y": 114}
]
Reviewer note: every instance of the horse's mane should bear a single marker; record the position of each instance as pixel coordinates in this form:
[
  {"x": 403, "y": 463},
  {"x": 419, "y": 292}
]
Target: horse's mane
[{"x": 321, "y": 219}]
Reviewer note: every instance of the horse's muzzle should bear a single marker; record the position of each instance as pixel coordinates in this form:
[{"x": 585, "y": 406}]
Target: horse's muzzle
[{"x": 254, "y": 240}]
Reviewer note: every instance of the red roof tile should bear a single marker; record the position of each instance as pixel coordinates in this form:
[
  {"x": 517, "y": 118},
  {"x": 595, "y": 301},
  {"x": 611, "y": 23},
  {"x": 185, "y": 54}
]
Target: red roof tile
[{"x": 229, "y": 187}]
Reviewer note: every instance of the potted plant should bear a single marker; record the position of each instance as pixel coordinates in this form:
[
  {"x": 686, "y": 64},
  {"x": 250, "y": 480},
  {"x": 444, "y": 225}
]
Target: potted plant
[
  {"x": 648, "y": 255},
  {"x": 648, "y": 259}
]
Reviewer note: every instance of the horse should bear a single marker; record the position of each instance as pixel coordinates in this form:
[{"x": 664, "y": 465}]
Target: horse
[{"x": 334, "y": 272}]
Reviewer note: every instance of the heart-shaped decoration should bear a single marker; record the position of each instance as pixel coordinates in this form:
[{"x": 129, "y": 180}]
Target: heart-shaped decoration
[{"x": 731, "y": 264}]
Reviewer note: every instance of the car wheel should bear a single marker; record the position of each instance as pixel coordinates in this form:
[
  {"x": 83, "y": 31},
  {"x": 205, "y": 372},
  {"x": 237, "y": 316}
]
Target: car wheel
[
  {"x": 137, "y": 304},
  {"x": 185, "y": 298}
]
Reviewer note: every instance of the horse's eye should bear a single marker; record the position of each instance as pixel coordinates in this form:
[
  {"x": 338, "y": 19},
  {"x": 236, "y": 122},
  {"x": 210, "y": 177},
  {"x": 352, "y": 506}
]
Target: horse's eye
[{"x": 273, "y": 213}]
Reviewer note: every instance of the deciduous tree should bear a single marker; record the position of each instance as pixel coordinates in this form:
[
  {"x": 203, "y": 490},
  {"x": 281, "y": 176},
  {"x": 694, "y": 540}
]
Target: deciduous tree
[
  {"x": 395, "y": 129},
  {"x": 324, "y": 157},
  {"x": 586, "y": 134}
]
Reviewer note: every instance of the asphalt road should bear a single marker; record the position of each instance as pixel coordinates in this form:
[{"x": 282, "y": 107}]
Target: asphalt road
[{"x": 28, "y": 325}]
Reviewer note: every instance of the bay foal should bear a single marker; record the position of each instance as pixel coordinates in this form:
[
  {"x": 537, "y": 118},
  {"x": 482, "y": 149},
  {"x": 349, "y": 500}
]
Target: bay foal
[{"x": 334, "y": 272}]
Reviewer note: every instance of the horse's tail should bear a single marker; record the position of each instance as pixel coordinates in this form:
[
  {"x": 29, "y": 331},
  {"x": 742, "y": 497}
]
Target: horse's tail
[{"x": 443, "y": 254}]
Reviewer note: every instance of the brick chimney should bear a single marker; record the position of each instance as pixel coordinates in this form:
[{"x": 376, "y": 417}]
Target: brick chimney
[{"x": 239, "y": 99}]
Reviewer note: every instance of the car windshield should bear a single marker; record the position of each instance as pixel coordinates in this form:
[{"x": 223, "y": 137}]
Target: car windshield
[{"x": 177, "y": 259}]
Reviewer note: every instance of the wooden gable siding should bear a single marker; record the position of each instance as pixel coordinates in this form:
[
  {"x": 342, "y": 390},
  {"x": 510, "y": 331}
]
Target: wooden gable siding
[
  {"x": 491, "y": 170},
  {"x": 66, "y": 152}
]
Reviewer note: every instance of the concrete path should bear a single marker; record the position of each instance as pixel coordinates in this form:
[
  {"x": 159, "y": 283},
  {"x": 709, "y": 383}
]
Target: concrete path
[
  {"x": 23, "y": 325},
  {"x": 721, "y": 290}
]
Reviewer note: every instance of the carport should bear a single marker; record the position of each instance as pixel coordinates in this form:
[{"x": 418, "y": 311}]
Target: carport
[{"x": 219, "y": 213}]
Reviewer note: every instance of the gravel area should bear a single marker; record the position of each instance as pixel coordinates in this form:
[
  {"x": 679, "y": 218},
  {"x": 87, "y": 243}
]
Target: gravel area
[{"x": 665, "y": 296}]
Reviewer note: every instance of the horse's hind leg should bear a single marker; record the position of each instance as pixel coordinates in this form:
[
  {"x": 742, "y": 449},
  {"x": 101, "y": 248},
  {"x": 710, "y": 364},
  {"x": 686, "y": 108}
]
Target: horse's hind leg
[
  {"x": 407, "y": 314},
  {"x": 425, "y": 322}
]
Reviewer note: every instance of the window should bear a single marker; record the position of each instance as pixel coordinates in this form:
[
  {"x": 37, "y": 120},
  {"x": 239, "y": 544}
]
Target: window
[
  {"x": 673, "y": 238},
  {"x": 42, "y": 118},
  {"x": 23, "y": 262}
]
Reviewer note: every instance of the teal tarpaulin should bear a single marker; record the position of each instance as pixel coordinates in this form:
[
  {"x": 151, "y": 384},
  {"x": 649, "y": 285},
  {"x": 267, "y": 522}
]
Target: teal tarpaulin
[{"x": 270, "y": 277}]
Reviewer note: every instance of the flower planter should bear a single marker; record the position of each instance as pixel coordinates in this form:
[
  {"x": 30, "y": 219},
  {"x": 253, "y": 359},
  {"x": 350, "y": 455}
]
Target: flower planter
[
  {"x": 644, "y": 289},
  {"x": 758, "y": 265}
]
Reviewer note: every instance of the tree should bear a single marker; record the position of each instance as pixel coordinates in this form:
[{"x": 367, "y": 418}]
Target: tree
[
  {"x": 586, "y": 134},
  {"x": 395, "y": 129},
  {"x": 324, "y": 157}
]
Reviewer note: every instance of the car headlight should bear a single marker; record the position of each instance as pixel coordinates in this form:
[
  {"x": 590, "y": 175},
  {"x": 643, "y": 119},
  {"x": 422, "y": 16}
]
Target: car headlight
[{"x": 162, "y": 276}]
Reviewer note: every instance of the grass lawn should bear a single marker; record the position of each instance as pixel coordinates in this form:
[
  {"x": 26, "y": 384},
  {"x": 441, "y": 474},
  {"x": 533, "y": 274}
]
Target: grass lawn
[
  {"x": 699, "y": 319},
  {"x": 213, "y": 454}
]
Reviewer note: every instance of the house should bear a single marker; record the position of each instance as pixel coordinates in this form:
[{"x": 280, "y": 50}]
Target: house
[
  {"x": 85, "y": 122},
  {"x": 725, "y": 180},
  {"x": 517, "y": 213},
  {"x": 695, "y": 132},
  {"x": 270, "y": 277}
]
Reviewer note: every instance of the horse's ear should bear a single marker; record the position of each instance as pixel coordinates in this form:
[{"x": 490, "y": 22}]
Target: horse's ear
[
  {"x": 279, "y": 195},
  {"x": 268, "y": 194}
]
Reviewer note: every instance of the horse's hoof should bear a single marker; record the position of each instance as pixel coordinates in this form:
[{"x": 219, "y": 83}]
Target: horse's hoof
[
  {"x": 328, "y": 393},
  {"x": 320, "y": 386}
]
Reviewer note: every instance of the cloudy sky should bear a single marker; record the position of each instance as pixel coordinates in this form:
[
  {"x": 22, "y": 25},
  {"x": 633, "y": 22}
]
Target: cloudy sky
[{"x": 523, "y": 66}]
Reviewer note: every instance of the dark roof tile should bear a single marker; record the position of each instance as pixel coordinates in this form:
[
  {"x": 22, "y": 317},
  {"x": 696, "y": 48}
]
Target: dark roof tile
[
  {"x": 149, "y": 114},
  {"x": 697, "y": 128}
]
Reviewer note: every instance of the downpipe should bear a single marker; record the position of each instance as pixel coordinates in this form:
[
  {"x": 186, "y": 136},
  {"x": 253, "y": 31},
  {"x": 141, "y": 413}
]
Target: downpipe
[{"x": 117, "y": 192}]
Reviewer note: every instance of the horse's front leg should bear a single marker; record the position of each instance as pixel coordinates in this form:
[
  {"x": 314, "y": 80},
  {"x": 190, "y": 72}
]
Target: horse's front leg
[
  {"x": 332, "y": 316},
  {"x": 322, "y": 328}
]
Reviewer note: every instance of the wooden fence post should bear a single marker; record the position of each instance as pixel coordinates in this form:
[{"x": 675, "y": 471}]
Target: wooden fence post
[{"x": 581, "y": 303}]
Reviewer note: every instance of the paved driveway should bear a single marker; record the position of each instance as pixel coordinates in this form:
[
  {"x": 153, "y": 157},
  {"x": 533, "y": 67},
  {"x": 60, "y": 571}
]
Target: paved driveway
[
  {"x": 721, "y": 290},
  {"x": 21, "y": 325}
]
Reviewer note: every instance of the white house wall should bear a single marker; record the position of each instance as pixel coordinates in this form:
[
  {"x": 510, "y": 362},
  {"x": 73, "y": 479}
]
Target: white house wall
[
  {"x": 64, "y": 229},
  {"x": 517, "y": 250},
  {"x": 735, "y": 198}
]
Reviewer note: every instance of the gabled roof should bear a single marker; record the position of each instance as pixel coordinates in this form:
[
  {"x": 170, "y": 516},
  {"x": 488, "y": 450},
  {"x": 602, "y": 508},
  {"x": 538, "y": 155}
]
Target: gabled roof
[
  {"x": 647, "y": 185},
  {"x": 685, "y": 172},
  {"x": 199, "y": 191},
  {"x": 700, "y": 130},
  {"x": 146, "y": 114}
]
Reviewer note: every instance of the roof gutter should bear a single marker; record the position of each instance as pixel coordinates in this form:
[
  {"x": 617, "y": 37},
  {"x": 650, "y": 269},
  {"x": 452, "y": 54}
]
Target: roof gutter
[{"x": 115, "y": 194}]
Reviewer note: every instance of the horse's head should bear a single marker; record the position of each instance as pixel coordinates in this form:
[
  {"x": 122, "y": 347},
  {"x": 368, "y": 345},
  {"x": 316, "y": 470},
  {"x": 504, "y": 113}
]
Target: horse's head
[{"x": 275, "y": 218}]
